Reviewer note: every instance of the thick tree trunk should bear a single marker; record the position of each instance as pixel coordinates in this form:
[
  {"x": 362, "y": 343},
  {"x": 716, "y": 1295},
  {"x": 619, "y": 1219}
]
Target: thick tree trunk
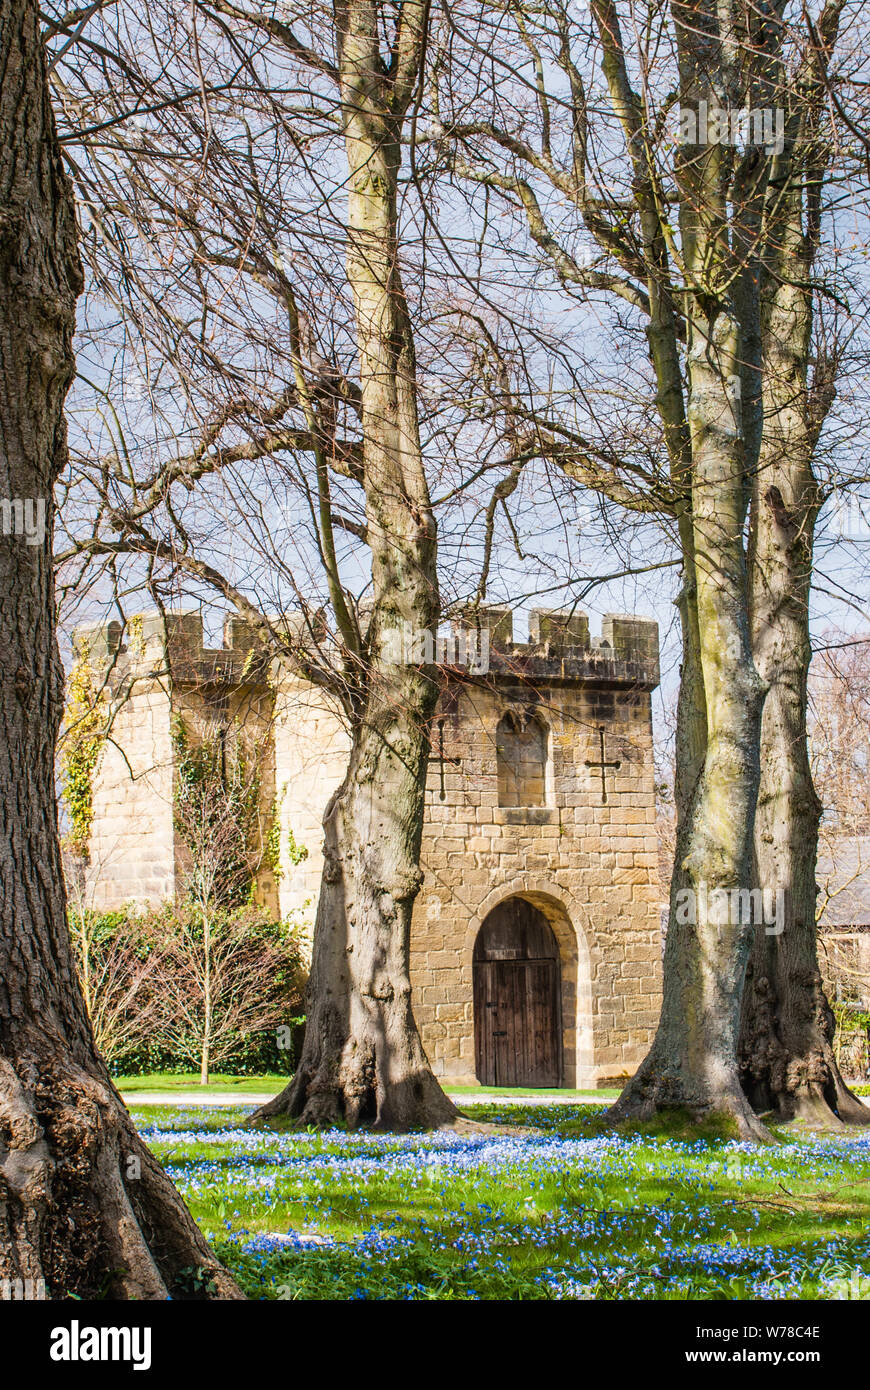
[
  {"x": 692, "y": 1064},
  {"x": 786, "y": 1055},
  {"x": 83, "y": 1205},
  {"x": 363, "y": 1060},
  {"x": 786, "y": 1045}
]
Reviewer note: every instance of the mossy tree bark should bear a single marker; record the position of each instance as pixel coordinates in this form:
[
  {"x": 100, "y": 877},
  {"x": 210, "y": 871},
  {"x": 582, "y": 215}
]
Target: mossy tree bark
[
  {"x": 786, "y": 1043},
  {"x": 363, "y": 1060},
  {"x": 84, "y": 1206},
  {"x": 702, "y": 296},
  {"x": 786, "y": 1054},
  {"x": 692, "y": 1063}
]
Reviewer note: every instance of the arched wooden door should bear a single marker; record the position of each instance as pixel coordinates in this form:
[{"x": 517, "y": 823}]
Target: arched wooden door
[{"x": 517, "y": 998}]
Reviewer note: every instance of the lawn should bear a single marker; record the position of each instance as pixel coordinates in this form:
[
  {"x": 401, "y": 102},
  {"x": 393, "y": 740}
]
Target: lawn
[
  {"x": 545, "y": 1205},
  {"x": 563, "y": 1091},
  {"x": 271, "y": 1081},
  {"x": 189, "y": 1081}
]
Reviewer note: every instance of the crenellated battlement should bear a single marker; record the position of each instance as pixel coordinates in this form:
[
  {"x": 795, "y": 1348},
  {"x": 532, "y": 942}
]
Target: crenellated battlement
[
  {"x": 151, "y": 645},
  {"x": 560, "y": 647}
]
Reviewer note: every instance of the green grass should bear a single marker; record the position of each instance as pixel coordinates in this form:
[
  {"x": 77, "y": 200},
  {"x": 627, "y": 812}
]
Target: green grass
[
  {"x": 544, "y": 1203},
  {"x": 189, "y": 1081},
  {"x": 484, "y": 1091}
]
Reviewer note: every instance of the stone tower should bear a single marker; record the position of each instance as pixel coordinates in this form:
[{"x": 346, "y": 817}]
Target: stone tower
[{"x": 536, "y": 949}]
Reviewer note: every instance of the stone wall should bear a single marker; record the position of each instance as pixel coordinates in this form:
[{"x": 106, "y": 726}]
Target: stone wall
[
  {"x": 591, "y": 868},
  {"x": 135, "y": 853},
  {"x": 311, "y": 752},
  {"x": 246, "y": 714},
  {"x": 588, "y": 863},
  {"x": 132, "y": 847}
]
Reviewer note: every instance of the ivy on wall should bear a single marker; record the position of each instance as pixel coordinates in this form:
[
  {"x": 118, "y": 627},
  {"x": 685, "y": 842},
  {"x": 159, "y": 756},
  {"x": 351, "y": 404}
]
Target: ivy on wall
[
  {"x": 136, "y": 635},
  {"x": 295, "y": 852},
  {"x": 852, "y": 1038},
  {"x": 81, "y": 752},
  {"x": 272, "y": 846}
]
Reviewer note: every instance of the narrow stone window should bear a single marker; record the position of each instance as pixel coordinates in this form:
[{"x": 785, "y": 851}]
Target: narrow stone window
[{"x": 521, "y": 747}]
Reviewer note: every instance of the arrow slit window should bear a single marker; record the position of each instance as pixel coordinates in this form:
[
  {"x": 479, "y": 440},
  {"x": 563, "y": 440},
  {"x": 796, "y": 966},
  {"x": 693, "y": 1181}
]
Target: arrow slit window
[{"x": 521, "y": 747}]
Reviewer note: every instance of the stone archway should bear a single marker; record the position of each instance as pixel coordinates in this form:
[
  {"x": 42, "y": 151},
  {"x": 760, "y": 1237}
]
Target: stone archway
[
  {"x": 517, "y": 998},
  {"x": 565, "y": 917}
]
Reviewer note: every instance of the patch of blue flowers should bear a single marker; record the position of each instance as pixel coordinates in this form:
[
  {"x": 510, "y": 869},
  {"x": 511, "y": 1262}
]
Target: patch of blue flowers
[{"x": 545, "y": 1212}]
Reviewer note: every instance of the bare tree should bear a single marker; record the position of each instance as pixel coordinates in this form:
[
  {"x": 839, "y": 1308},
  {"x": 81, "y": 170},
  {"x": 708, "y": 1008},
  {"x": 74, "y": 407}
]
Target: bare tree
[
  {"x": 664, "y": 248},
  {"x": 687, "y": 242},
  {"x": 218, "y": 817},
  {"x": 222, "y": 981},
  {"x": 786, "y": 1049},
  {"x": 361, "y": 69},
  {"x": 71, "y": 1214},
  {"x": 839, "y": 686},
  {"x": 118, "y": 969}
]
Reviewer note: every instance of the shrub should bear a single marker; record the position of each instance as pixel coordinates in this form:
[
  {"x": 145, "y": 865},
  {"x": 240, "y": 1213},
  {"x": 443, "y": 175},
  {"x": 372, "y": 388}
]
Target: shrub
[{"x": 144, "y": 979}]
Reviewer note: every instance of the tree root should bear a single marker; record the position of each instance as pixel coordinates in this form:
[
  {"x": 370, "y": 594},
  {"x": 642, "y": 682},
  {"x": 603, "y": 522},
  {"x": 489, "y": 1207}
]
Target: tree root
[
  {"x": 358, "y": 1086},
  {"x": 671, "y": 1101},
  {"x": 85, "y": 1209}
]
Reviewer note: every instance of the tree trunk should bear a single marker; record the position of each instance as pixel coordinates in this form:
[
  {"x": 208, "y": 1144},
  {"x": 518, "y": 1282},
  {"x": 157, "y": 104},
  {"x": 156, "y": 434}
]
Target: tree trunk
[
  {"x": 362, "y": 1059},
  {"x": 692, "y": 1065},
  {"x": 786, "y": 1046},
  {"x": 83, "y": 1204},
  {"x": 786, "y": 1055}
]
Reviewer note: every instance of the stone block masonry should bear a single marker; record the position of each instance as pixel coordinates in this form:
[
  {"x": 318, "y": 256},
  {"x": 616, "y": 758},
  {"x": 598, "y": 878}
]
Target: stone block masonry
[{"x": 519, "y": 811}]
